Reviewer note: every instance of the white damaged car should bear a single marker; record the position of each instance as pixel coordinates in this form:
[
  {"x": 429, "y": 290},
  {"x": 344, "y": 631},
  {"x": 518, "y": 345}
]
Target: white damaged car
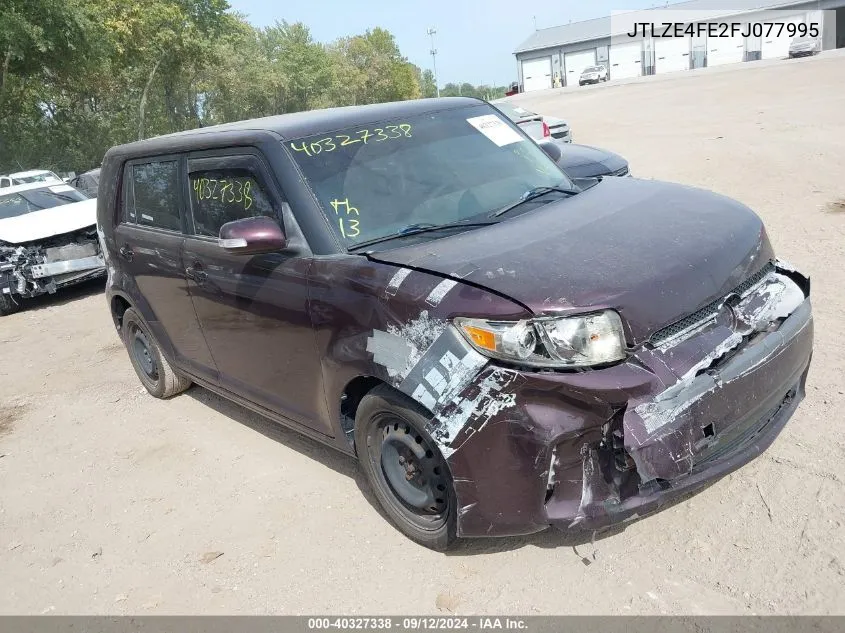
[{"x": 48, "y": 240}]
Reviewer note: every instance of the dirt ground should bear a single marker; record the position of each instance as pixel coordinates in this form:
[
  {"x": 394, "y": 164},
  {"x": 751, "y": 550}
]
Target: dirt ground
[{"x": 114, "y": 502}]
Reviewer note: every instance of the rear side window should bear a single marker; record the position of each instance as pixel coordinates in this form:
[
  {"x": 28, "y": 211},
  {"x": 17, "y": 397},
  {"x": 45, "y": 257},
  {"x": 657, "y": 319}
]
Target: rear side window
[
  {"x": 221, "y": 195},
  {"x": 154, "y": 197}
]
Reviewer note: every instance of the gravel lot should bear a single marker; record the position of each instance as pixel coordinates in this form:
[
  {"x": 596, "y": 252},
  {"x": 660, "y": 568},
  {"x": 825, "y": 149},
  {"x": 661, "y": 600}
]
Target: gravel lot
[{"x": 114, "y": 502}]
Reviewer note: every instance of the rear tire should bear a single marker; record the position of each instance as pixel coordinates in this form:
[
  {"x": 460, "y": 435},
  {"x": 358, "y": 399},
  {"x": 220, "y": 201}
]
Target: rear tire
[
  {"x": 405, "y": 468},
  {"x": 153, "y": 369},
  {"x": 9, "y": 304}
]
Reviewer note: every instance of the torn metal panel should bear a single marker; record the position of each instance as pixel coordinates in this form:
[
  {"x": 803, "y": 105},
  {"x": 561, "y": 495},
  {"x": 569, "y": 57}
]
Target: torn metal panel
[
  {"x": 431, "y": 362},
  {"x": 470, "y": 412},
  {"x": 731, "y": 387}
]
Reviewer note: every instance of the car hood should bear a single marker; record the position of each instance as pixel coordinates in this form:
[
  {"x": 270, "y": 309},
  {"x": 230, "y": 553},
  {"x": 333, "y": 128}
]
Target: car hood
[
  {"x": 654, "y": 251},
  {"x": 39, "y": 225}
]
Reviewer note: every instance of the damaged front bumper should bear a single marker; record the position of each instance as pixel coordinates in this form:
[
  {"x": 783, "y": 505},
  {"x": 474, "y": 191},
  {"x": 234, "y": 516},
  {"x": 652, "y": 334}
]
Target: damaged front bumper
[
  {"x": 40, "y": 268},
  {"x": 590, "y": 449}
]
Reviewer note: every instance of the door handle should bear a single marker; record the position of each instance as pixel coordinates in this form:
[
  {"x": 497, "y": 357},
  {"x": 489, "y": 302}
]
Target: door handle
[
  {"x": 126, "y": 253},
  {"x": 196, "y": 273}
]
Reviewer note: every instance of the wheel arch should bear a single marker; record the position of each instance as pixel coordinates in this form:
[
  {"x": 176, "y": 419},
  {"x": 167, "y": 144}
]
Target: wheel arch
[
  {"x": 350, "y": 399},
  {"x": 119, "y": 304}
]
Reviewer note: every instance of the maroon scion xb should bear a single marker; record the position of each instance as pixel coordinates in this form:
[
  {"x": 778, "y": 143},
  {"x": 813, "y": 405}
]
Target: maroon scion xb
[{"x": 419, "y": 285}]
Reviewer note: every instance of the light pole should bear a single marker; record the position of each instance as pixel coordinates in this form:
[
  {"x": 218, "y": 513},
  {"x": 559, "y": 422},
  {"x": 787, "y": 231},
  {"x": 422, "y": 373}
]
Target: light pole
[{"x": 430, "y": 32}]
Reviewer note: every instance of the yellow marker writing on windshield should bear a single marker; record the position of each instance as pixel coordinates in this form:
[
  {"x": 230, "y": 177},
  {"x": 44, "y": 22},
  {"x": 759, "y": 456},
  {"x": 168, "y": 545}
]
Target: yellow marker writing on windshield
[
  {"x": 337, "y": 204},
  {"x": 348, "y": 226}
]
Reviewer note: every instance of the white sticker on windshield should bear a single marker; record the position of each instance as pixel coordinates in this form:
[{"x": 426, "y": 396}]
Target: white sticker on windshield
[
  {"x": 61, "y": 188},
  {"x": 495, "y": 129}
]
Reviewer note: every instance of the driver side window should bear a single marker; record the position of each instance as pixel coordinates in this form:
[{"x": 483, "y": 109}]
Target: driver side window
[{"x": 225, "y": 194}]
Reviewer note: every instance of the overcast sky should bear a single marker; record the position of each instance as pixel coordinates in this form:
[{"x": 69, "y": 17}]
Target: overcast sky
[{"x": 475, "y": 38}]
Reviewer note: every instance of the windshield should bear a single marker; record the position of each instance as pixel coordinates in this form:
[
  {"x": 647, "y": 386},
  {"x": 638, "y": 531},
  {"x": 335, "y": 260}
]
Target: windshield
[
  {"x": 22, "y": 202},
  {"x": 592, "y": 69},
  {"x": 439, "y": 168},
  {"x": 40, "y": 177}
]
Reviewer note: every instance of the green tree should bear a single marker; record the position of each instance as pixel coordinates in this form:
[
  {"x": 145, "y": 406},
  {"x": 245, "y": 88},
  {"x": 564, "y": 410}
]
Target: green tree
[
  {"x": 78, "y": 76},
  {"x": 428, "y": 88},
  {"x": 372, "y": 70}
]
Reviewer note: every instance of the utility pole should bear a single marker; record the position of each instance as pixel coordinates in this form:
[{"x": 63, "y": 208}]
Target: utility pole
[{"x": 430, "y": 32}]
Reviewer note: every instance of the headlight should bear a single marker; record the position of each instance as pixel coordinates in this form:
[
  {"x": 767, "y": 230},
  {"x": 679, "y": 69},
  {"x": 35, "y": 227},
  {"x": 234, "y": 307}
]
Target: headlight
[{"x": 578, "y": 341}]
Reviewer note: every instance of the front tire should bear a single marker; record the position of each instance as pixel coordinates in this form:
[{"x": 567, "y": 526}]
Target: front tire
[
  {"x": 9, "y": 304},
  {"x": 405, "y": 468},
  {"x": 153, "y": 369}
]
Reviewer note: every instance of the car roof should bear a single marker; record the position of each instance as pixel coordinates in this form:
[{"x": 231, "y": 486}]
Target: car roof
[
  {"x": 31, "y": 185},
  {"x": 31, "y": 172},
  {"x": 299, "y": 124}
]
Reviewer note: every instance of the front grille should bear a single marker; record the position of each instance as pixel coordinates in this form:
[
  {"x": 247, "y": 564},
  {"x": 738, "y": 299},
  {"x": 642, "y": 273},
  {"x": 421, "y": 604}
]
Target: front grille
[{"x": 709, "y": 311}]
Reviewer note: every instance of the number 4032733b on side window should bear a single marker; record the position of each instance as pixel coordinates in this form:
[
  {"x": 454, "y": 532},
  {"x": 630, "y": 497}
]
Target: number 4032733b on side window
[{"x": 420, "y": 285}]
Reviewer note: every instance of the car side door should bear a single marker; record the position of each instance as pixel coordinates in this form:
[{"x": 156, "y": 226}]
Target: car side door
[
  {"x": 252, "y": 308},
  {"x": 149, "y": 237}
]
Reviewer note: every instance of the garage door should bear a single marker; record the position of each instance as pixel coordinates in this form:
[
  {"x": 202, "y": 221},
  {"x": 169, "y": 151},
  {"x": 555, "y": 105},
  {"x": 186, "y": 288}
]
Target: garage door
[
  {"x": 775, "y": 47},
  {"x": 577, "y": 62},
  {"x": 626, "y": 60},
  {"x": 537, "y": 74},
  {"x": 725, "y": 50},
  {"x": 671, "y": 54}
]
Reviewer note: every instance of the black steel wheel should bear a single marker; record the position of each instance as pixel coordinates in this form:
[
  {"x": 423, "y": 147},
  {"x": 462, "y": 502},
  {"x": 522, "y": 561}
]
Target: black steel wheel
[
  {"x": 405, "y": 467},
  {"x": 153, "y": 369},
  {"x": 143, "y": 355}
]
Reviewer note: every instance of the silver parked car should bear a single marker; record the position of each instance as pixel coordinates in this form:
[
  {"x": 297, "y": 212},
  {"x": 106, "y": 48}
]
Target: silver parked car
[
  {"x": 537, "y": 126},
  {"x": 805, "y": 45},
  {"x": 593, "y": 75}
]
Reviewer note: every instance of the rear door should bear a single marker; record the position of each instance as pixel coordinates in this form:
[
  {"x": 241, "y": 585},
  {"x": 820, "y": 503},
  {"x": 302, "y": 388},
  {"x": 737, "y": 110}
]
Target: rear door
[
  {"x": 149, "y": 240},
  {"x": 252, "y": 308}
]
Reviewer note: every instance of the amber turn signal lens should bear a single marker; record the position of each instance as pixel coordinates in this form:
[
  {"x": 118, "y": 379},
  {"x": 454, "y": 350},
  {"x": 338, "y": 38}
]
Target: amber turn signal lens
[{"x": 482, "y": 338}]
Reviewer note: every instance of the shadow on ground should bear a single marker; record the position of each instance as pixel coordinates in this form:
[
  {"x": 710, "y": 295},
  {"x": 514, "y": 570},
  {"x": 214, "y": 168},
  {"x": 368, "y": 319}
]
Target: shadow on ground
[
  {"x": 582, "y": 542},
  {"x": 63, "y": 296}
]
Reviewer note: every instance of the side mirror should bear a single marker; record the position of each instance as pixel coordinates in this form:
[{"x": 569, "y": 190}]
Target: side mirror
[
  {"x": 552, "y": 149},
  {"x": 252, "y": 236}
]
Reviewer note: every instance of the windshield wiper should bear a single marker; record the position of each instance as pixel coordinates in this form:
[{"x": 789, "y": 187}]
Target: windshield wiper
[
  {"x": 533, "y": 194},
  {"x": 416, "y": 229}
]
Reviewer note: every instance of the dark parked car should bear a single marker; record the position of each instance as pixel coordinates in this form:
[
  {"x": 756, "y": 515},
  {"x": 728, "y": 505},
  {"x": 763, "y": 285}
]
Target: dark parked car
[
  {"x": 87, "y": 183},
  {"x": 583, "y": 161},
  {"x": 420, "y": 285}
]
